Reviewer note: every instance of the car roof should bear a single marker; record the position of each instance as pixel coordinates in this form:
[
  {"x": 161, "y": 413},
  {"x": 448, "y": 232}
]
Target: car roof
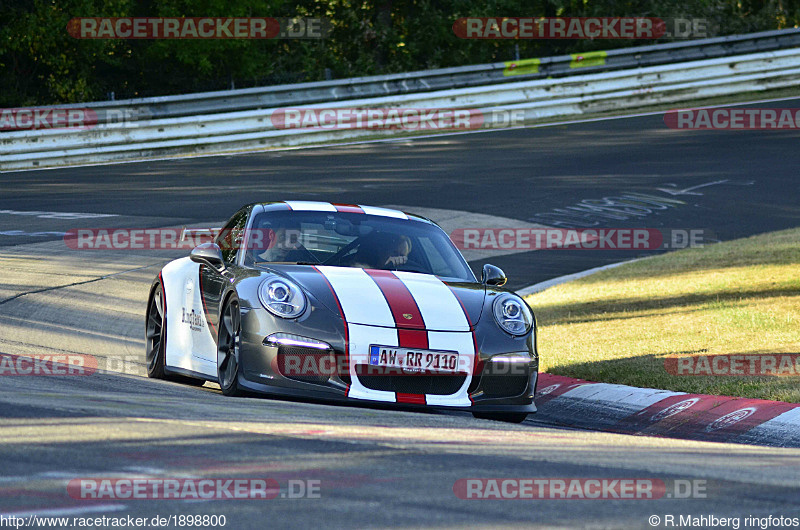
[{"x": 320, "y": 206}]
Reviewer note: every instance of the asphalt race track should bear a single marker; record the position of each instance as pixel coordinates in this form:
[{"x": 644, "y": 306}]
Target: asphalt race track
[
  {"x": 373, "y": 467},
  {"x": 519, "y": 174}
]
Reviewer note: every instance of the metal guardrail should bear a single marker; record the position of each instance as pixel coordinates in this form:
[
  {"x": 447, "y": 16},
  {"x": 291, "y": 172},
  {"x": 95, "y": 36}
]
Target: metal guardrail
[
  {"x": 536, "y": 99},
  {"x": 440, "y": 79}
]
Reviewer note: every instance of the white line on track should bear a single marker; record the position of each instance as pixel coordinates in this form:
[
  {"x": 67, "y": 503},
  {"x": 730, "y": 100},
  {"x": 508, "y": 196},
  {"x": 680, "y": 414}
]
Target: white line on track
[
  {"x": 71, "y": 510},
  {"x": 541, "y": 286},
  {"x": 57, "y": 215},
  {"x": 22, "y": 233}
]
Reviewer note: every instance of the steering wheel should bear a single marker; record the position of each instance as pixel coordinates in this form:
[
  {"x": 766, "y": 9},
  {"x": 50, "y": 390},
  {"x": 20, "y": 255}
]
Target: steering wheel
[
  {"x": 411, "y": 266},
  {"x": 340, "y": 254}
]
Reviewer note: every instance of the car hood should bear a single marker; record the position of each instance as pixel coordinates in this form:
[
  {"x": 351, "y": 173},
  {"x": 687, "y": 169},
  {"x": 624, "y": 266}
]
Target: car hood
[{"x": 397, "y": 299}]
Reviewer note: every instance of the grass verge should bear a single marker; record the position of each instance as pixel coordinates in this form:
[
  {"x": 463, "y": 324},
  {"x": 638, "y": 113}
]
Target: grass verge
[{"x": 739, "y": 297}]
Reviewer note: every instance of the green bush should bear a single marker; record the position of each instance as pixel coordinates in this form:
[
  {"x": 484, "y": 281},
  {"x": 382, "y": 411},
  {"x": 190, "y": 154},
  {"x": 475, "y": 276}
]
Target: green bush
[{"x": 41, "y": 64}]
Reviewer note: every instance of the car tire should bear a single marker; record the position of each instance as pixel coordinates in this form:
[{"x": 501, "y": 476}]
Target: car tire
[
  {"x": 508, "y": 417},
  {"x": 228, "y": 340},
  {"x": 155, "y": 334},
  {"x": 156, "y": 341}
]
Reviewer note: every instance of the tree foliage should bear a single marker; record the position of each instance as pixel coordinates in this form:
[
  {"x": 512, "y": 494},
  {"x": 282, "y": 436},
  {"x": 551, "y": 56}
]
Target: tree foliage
[{"x": 41, "y": 64}]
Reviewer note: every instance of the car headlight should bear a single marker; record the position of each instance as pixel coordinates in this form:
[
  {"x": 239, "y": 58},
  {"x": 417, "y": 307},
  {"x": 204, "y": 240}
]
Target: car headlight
[
  {"x": 512, "y": 314},
  {"x": 282, "y": 298}
]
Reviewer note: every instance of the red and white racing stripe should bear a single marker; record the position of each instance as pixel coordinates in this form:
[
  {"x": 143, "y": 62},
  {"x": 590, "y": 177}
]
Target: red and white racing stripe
[
  {"x": 348, "y": 208},
  {"x": 317, "y": 206},
  {"x": 405, "y": 310},
  {"x": 381, "y": 298},
  {"x": 439, "y": 306},
  {"x": 385, "y": 212},
  {"x": 311, "y": 206},
  {"x": 359, "y": 296}
]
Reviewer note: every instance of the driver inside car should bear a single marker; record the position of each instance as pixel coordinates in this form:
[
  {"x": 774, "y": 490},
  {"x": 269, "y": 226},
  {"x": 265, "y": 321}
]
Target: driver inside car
[
  {"x": 397, "y": 253},
  {"x": 382, "y": 251}
]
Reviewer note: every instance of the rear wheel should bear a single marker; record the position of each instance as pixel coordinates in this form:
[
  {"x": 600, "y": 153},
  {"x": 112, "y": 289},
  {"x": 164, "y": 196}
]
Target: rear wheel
[
  {"x": 156, "y": 341},
  {"x": 230, "y": 325},
  {"x": 508, "y": 417},
  {"x": 155, "y": 335}
]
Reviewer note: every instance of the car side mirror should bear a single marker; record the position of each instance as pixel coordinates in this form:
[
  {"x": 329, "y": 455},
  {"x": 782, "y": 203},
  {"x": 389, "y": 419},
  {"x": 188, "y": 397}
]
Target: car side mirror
[
  {"x": 208, "y": 254},
  {"x": 493, "y": 276}
]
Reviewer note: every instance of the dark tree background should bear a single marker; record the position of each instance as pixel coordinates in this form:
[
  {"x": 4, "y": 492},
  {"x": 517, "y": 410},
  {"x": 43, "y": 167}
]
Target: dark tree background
[{"x": 40, "y": 64}]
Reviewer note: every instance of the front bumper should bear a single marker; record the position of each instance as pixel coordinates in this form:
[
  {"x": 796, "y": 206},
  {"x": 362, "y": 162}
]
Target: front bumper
[{"x": 501, "y": 381}]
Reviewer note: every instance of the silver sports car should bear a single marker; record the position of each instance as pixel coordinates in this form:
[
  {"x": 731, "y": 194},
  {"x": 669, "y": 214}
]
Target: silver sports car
[{"x": 343, "y": 302}]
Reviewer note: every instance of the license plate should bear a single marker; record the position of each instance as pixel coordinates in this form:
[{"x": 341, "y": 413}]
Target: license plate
[{"x": 411, "y": 360}]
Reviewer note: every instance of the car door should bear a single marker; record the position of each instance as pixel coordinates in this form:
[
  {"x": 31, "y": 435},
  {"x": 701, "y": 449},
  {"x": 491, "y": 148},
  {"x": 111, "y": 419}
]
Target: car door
[{"x": 213, "y": 283}]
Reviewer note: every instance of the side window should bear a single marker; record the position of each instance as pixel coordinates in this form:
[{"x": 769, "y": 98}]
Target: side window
[{"x": 230, "y": 237}]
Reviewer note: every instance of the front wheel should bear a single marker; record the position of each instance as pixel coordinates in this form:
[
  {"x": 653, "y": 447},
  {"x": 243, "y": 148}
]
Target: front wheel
[
  {"x": 228, "y": 348},
  {"x": 508, "y": 417}
]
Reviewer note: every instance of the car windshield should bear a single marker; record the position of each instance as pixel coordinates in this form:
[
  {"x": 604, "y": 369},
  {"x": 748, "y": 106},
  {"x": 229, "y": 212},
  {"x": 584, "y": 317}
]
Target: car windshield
[{"x": 354, "y": 240}]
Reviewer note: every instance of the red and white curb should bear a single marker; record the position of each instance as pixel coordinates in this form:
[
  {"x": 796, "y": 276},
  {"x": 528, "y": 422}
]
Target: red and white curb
[{"x": 651, "y": 412}]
